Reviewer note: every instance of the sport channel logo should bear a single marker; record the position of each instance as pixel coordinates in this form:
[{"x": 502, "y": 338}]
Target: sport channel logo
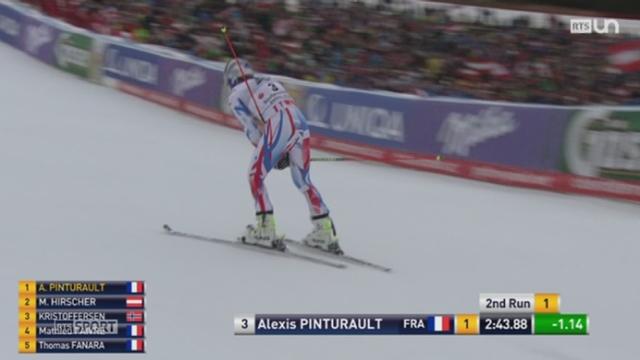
[
  {"x": 95, "y": 327},
  {"x": 594, "y": 25}
]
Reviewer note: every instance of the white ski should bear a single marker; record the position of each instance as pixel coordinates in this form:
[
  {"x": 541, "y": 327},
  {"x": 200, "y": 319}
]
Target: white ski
[
  {"x": 344, "y": 257},
  {"x": 240, "y": 245}
]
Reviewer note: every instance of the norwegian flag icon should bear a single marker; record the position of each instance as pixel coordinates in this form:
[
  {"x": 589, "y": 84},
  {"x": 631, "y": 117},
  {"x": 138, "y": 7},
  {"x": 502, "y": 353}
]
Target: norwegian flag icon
[{"x": 135, "y": 316}]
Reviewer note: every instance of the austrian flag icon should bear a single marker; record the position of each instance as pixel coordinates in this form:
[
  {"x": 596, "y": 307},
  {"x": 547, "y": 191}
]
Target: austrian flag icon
[
  {"x": 136, "y": 287},
  {"x": 135, "y": 302}
]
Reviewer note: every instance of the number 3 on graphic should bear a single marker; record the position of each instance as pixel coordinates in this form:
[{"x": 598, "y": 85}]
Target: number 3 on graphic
[{"x": 244, "y": 325}]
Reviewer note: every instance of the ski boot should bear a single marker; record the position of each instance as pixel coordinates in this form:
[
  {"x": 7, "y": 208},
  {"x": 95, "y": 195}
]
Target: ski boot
[
  {"x": 323, "y": 236},
  {"x": 263, "y": 233}
]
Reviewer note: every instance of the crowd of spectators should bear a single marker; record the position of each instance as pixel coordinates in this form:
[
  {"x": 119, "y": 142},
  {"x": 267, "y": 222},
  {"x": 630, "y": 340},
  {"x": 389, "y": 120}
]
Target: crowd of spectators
[{"x": 375, "y": 48}]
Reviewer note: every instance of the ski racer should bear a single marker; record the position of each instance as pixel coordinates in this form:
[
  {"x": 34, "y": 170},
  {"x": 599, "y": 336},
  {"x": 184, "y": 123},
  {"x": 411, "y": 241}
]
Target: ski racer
[{"x": 278, "y": 130}]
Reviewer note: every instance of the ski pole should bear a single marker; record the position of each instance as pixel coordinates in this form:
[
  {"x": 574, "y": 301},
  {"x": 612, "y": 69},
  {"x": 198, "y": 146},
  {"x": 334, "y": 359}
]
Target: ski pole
[
  {"x": 328, "y": 158},
  {"x": 338, "y": 158},
  {"x": 223, "y": 30}
]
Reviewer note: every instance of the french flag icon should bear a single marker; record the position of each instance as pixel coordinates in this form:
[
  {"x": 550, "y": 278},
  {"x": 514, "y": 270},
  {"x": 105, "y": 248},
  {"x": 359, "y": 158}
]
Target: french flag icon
[
  {"x": 439, "y": 324},
  {"x": 136, "y": 345},
  {"x": 136, "y": 287},
  {"x": 136, "y": 330}
]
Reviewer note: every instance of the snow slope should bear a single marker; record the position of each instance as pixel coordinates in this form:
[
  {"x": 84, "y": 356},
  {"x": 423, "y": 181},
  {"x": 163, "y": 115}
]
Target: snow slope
[{"x": 88, "y": 176}]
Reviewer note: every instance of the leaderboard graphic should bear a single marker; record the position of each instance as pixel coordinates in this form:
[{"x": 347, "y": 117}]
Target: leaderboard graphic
[
  {"x": 500, "y": 314},
  {"x": 81, "y": 316}
]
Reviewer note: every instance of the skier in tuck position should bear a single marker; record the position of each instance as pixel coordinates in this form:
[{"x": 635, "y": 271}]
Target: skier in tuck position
[{"x": 278, "y": 130}]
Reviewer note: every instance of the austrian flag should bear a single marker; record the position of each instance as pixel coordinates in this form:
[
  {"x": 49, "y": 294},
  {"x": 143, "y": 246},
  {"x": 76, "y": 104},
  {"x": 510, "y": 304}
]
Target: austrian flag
[
  {"x": 135, "y": 302},
  {"x": 136, "y": 345},
  {"x": 439, "y": 324},
  {"x": 136, "y": 287},
  {"x": 136, "y": 330},
  {"x": 625, "y": 56}
]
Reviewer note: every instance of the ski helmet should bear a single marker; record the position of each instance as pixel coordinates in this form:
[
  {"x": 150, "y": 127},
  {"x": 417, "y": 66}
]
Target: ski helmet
[{"x": 232, "y": 73}]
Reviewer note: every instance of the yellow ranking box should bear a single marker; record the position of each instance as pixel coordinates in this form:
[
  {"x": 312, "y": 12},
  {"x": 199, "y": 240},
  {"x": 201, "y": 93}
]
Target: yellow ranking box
[
  {"x": 467, "y": 324},
  {"x": 27, "y": 345},
  {"x": 26, "y": 302},
  {"x": 27, "y": 287},
  {"x": 27, "y": 330},
  {"x": 547, "y": 303},
  {"x": 27, "y": 314}
]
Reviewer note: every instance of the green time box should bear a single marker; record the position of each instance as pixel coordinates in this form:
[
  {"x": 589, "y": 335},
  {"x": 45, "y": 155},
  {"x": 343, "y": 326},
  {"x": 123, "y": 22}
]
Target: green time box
[{"x": 561, "y": 324}]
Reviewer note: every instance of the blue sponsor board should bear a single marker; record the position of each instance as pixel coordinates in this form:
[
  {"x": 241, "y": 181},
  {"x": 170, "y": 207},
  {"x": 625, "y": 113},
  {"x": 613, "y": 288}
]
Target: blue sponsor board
[
  {"x": 526, "y": 137},
  {"x": 361, "y": 117},
  {"x": 497, "y": 133},
  {"x": 163, "y": 73},
  {"x": 132, "y": 66},
  {"x": 10, "y": 25},
  {"x": 191, "y": 81},
  {"x": 39, "y": 39}
]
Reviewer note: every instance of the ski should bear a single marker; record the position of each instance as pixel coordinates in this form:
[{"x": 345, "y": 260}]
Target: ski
[
  {"x": 239, "y": 245},
  {"x": 344, "y": 257}
]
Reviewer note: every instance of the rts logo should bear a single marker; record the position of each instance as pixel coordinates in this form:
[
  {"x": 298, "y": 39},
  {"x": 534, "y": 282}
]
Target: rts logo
[{"x": 588, "y": 26}]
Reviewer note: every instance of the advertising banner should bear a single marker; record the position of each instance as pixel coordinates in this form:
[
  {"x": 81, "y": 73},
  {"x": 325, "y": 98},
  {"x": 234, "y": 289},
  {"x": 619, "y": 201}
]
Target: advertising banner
[
  {"x": 527, "y": 137},
  {"x": 191, "y": 82},
  {"x": 38, "y": 39},
  {"x": 132, "y": 66},
  {"x": 10, "y": 25},
  {"x": 73, "y": 53},
  {"x": 360, "y": 117},
  {"x": 603, "y": 143}
]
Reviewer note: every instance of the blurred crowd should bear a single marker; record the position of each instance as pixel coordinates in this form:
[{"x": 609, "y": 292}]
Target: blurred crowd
[{"x": 376, "y": 48}]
